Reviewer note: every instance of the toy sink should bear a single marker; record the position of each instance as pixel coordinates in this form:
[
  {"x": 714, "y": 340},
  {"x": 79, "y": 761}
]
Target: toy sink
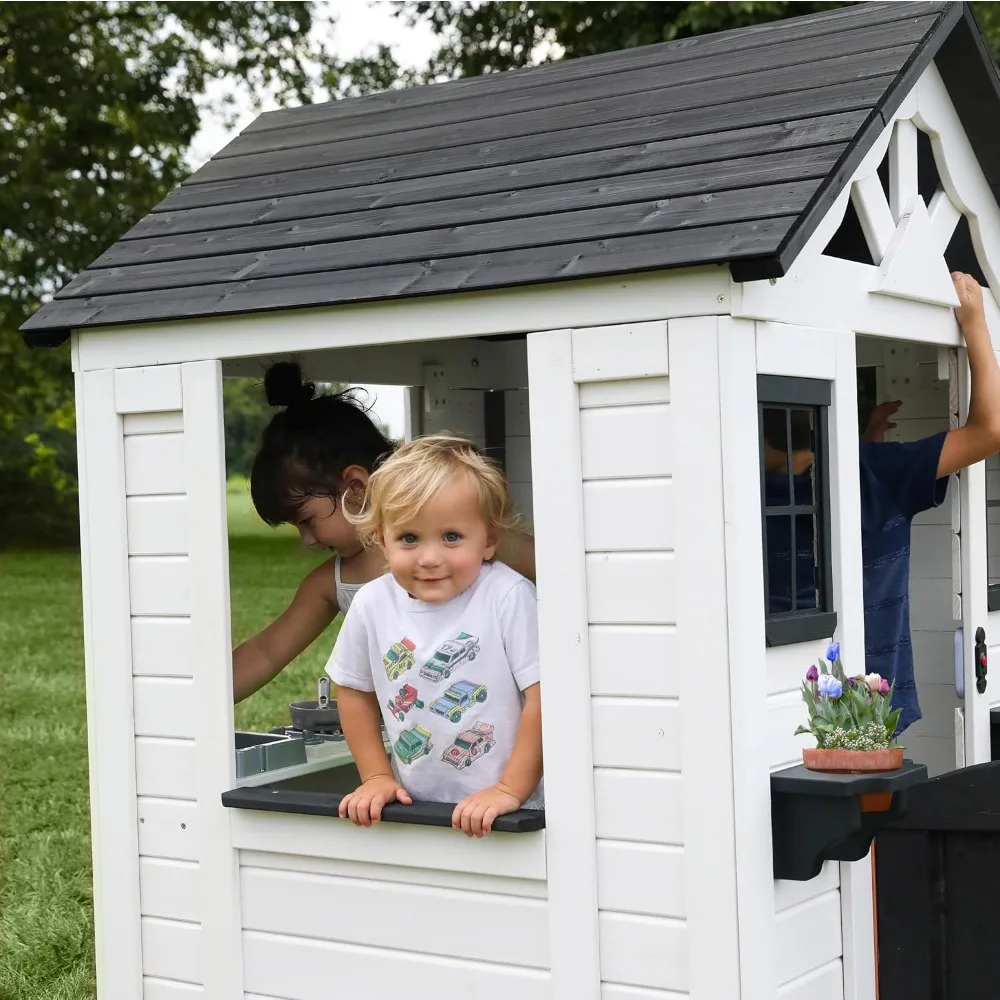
[{"x": 256, "y": 752}]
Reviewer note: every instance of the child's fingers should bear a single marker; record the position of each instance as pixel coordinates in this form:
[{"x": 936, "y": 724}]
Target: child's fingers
[{"x": 404, "y": 796}]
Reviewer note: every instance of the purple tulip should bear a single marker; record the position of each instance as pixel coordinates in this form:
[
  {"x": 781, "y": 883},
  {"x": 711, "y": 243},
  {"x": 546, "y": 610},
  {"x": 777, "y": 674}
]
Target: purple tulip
[
  {"x": 812, "y": 674},
  {"x": 884, "y": 689}
]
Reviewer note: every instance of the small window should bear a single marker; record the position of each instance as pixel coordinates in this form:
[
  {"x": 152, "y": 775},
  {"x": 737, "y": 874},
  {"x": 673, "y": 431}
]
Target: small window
[
  {"x": 993, "y": 532},
  {"x": 795, "y": 509}
]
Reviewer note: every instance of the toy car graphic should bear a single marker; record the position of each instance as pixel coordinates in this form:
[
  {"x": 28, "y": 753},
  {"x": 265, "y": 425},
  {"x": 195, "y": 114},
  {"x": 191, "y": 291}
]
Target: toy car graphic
[
  {"x": 449, "y": 655},
  {"x": 404, "y": 701},
  {"x": 458, "y": 699},
  {"x": 412, "y": 744},
  {"x": 470, "y": 745},
  {"x": 399, "y": 659}
]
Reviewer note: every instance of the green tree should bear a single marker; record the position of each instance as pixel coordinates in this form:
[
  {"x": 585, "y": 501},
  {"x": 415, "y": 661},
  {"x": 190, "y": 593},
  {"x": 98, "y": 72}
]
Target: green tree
[{"x": 99, "y": 103}]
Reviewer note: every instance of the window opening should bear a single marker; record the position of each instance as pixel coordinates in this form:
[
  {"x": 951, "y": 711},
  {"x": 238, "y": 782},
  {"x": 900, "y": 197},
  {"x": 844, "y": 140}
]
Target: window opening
[
  {"x": 795, "y": 506},
  {"x": 993, "y": 532},
  {"x": 961, "y": 253},
  {"x": 848, "y": 242},
  {"x": 928, "y": 178},
  {"x": 867, "y": 379}
]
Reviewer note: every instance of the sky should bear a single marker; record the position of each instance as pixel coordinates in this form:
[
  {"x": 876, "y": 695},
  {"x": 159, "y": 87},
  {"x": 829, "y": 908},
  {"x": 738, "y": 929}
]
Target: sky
[{"x": 359, "y": 25}]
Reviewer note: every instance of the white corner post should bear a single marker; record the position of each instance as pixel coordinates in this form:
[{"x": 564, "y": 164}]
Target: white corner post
[
  {"x": 747, "y": 658},
  {"x": 571, "y": 862},
  {"x": 702, "y": 649},
  {"x": 108, "y": 663},
  {"x": 211, "y": 667}
]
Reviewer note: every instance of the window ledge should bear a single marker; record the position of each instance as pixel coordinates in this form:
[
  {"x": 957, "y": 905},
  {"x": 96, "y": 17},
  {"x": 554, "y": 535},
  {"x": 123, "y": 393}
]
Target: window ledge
[
  {"x": 320, "y": 793},
  {"x": 800, "y": 628}
]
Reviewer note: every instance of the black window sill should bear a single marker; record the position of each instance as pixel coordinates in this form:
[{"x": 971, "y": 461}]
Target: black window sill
[
  {"x": 993, "y": 597},
  {"x": 319, "y": 793},
  {"x": 800, "y": 628}
]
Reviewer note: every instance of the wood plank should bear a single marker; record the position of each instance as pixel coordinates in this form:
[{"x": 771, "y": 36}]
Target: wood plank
[
  {"x": 637, "y": 732},
  {"x": 168, "y": 828},
  {"x": 507, "y": 929},
  {"x": 346, "y": 248},
  {"x": 646, "y": 144},
  {"x": 158, "y": 525},
  {"x": 164, "y": 706},
  {"x": 564, "y": 96},
  {"x": 636, "y": 660},
  {"x": 154, "y": 464},
  {"x": 627, "y": 442},
  {"x": 626, "y": 588},
  {"x": 297, "y": 968},
  {"x": 678, "y": 50},
  {"x": 161, "y": 647},
  {"x": 327, "y": 226},
  {"x": 640, "y": 878},
  {"x": 495, "y": 884},
  {"x": 170, "y": 989},
  {"x": 562, "y": 631},
  {"x": 798, "y": 351},
  {"x": 148, "y": 390},
  {"x": 166, "y": 767},
  {"x": 643, "y": 806},
  {"x": 810, "y": 937},
  {"x": 628, "y": 515},
  {"x": 169, "y": 889},
  {"x": 153, "y": 423},
  {"x": 159, "y": 585},
  {"x": 644, "y": 951},
  {"x": 824, "y": 983},
  {"x": 630, "y": 392},
  {"x": 514, "y": 855},
  {"x": 172, "y": 949},
  {"x": 635, "y": 350},
  {"x": 487, "y": 271},
  {"x": 693, "y": 99}
]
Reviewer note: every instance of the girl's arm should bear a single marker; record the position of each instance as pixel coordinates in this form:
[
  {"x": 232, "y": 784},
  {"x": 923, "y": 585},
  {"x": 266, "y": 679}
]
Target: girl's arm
[
  {"x": 263, "y": 656},
  {"x": 517, "y": 550}
]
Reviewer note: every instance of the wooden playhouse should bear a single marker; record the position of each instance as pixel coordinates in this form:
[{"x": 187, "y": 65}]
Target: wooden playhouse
[{"x": 603, "y": 270}]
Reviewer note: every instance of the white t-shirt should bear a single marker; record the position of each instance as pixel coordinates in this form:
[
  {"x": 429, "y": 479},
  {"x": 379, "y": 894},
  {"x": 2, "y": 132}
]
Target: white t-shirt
[{"x": 448, "y": 676}]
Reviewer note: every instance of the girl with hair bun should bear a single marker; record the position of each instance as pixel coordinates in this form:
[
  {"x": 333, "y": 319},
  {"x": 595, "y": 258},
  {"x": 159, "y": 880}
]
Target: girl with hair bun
[{"x": 314, "y": 461}]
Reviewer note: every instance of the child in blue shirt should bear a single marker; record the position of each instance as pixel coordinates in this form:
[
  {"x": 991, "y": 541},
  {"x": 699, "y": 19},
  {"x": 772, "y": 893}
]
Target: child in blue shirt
[{"x": 900, "y": 480}]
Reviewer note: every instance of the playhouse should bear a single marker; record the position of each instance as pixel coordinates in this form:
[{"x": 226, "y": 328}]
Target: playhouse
[{"x": 607, "y": 271}]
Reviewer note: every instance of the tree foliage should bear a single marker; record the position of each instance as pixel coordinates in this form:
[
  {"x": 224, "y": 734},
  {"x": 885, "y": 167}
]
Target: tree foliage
[{"x": 99, "y": 103}]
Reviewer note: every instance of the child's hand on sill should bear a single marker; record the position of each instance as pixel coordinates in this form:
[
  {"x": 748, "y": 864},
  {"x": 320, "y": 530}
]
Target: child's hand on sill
[
  {"x": 474, "y": 815},
  {"x": 364, "y": 805}
]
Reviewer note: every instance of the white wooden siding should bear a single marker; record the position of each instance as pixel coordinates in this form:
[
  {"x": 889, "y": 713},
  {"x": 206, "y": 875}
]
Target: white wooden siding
[
  {"x": 628, "y": 505},
  {"x": 517, "y": 450}
]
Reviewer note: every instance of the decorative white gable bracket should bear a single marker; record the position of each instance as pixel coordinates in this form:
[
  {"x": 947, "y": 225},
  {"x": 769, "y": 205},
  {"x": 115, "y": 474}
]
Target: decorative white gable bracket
[{"x": 913, "y": 266}]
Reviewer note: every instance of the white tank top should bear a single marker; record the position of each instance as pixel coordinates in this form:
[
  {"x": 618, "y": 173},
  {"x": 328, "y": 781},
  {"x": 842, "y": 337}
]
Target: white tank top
[{"x": 345, "y": 591}]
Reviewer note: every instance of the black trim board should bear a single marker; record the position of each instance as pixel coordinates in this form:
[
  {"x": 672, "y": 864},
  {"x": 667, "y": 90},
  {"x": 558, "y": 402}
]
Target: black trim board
[{"x": 318, "y": 793}]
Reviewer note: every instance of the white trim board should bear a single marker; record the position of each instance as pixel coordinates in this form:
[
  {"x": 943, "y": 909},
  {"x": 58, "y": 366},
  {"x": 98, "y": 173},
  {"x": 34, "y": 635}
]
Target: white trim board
[{"x": 591, "y": 302}]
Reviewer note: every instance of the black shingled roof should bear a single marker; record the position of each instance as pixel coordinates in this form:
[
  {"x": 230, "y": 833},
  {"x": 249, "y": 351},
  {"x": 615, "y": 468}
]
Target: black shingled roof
[{"x": 725, "y": 148}]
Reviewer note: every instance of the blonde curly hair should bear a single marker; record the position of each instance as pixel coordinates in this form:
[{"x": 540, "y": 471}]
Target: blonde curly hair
[{"x": 415, "y": 472}]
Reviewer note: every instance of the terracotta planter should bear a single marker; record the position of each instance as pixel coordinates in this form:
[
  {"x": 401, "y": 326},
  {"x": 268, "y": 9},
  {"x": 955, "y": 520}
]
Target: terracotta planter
[{"x": 852, "y": 761}]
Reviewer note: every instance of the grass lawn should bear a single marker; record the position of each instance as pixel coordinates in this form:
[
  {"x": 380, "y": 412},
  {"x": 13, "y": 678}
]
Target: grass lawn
[{"x": 46, "y": 916}]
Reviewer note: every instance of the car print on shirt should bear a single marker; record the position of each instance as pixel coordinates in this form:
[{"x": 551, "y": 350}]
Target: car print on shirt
[
  {"x": 412, "y": 744},
  {"x": 458, "y": 699},
  {"x": 404, "y": 701},
  {"x": 399, "y": 658},
  {"x": 449, "y": 655},
  {"x": 470, "y": 745}
]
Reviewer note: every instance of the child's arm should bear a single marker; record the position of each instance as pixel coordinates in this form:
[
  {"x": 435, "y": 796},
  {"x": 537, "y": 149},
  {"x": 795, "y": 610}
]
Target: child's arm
[
  {"x": 263, "y": 656},
  {"x": 475, "y": 813},
  {"x": 361, "y": 720},
  {"x": 980, "y": 436}
]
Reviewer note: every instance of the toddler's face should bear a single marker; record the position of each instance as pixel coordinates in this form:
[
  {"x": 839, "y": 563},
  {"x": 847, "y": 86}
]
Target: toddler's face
[{"x": 438, "y": 552}]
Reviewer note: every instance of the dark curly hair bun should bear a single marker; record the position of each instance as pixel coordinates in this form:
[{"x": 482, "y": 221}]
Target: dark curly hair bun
[{"x": 284, "y": 386}]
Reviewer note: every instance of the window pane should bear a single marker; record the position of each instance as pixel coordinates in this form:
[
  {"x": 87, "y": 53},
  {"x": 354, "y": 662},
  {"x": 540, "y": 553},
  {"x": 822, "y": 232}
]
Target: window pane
[
  {"x": 778, "y": 541},
  {"x": 777, "y": 490},
  {"x": 803, "y": 450},
  {"x": 806, "y": 563}
]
